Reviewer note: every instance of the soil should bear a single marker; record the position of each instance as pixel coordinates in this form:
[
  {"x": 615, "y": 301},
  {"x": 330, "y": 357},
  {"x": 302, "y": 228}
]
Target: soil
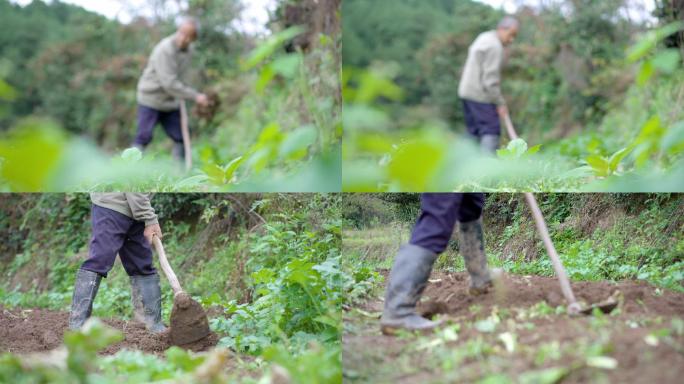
[
  {"x": 369, "y": 356},
  {"x": 448, "y": 294},
  {"x": 38, "y": 330},
  {"x": 189, "y": 323}
]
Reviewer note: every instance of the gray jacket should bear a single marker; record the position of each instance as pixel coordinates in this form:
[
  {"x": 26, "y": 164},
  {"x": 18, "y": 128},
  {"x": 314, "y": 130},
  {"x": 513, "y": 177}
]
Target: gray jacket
[
  {"x": 161, "y": 86},
  {"x": 481, "y": 79},
  {"x": 137, "y": 206}
]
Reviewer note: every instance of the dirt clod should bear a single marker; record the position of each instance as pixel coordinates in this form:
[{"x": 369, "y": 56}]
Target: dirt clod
[{"x": 189, "y": 322}]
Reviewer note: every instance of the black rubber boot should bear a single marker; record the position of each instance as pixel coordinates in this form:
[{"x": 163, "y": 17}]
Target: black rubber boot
[
  {"x": 407, "y": 282},
  {"x": 489, "y": 143},
  {"x": 178, "y": 152},
  {"x": 146, "y": 296},
  {"x": 471, "y": 246},
  {"x": 85, "y": 290}
]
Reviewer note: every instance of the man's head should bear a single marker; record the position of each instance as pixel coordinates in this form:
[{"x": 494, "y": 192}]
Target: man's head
[
  {"x": 187, "y": 33},
  {"x": 507, "y": 30}
]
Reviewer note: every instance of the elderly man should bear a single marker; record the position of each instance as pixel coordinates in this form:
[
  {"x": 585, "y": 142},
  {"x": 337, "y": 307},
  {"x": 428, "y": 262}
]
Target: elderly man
[
  {"x": 430, "y": 237},
  {"x": 161, "y": 88},
  {"x": 480, "y": 86},
  {"x": 123, "y": 224}
]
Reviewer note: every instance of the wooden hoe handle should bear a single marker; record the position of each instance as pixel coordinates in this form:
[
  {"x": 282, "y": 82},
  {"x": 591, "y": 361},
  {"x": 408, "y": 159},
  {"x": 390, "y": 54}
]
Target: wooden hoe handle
[
  {"x": 185, "y": 131},
  {"x": 546, "y": 238},
  {"x": 166, "y": 267}
]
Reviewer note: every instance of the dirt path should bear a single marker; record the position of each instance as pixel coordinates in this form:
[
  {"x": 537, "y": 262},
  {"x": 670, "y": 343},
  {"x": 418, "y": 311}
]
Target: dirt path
[
  {"x": 38, "y": 330},
  {"x": 645, "y": 336}
]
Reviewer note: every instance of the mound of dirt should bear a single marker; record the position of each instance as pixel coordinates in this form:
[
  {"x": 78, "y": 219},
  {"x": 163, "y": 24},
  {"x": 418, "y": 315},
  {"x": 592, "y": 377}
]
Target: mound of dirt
[
  {"x": 38, "y": 330},
  {"x": 448, "y": 294},
  {"x": 189, "y": 322}
]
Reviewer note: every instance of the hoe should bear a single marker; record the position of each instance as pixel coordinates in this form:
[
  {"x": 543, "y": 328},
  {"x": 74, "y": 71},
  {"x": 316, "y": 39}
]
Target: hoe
[
  {"x": 574, "y": 307},
  {"x": 188, "y": 320}
]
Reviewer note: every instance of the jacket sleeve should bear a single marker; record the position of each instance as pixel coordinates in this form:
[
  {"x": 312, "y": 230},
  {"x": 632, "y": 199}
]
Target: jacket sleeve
[
  {"x": 166, "y": 68},
  {"x": 141, "y": 208},
  {"x": 491, "y": 60}
]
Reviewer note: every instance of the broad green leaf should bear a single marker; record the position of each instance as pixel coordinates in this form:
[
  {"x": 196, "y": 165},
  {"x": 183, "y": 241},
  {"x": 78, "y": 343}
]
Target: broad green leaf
[
  {"x": 544, "y": 376},
  {"x": 667, "y": 61},
  {"x": 296, "y": 144},
  {"x": 30, "y": 154},
  {"x": 183, "y": 359},
  {"x": 599, "y": 165},
  {"x": 534, "y": 149},
  {"x": 214, "y": 172},
  {"x": 485, "y": 326},
  {"x": 645, "y": 73},
  {"x": 651, "y": 340},
  {"x": 265, "y": 77},
  {"x": 192, "y": 182},
  {"x": 263, "y": 276},
  {"x": 517, "y": 147},
  {"x": 287, "y": 65},
  {"x": 231, "y": 167},
  {"x": 373, "y": 86},
  {"x": 375, "y": 143},
  {"x": 508, "y": 340},
  {"x": 603, "y": 362},
  {"x": 132, "y": 155},
  {"x": 271, "y": 134},
  {"x": 266, "y": 49},
  {"x": 259, "y": 159},
  {"x": 617, "y": 157},
  {"x": 651, "y": 130},
  {"x": 497, "y": 378},
  {"x": 7, "y": 93},
  {"x": 673, "y": 139},
  {"x": 415, "y": 163},
  {"x": 650, "y": 40}
]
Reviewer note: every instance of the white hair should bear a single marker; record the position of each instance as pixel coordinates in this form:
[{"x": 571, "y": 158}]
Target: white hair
[
  {"x": 189, "y": 20},
  {"x": 508, "y": 22}
]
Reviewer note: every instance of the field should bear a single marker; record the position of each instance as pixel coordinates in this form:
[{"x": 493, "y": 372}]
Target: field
[{"x": 520, "y": 332}]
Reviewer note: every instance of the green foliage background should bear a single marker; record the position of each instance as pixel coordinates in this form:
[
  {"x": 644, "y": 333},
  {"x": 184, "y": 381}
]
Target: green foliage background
[
  {"x": 598, "y": 236},
  {"x": 69, "y": 78},
  {"x": 596, "y": 94}
]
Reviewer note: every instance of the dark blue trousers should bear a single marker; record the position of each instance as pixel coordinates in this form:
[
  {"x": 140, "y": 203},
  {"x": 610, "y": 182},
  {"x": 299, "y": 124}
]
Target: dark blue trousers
[
  {"x": 148, "y": 118},
  {"x": 439, "y": 212},
  {"x": 115, "y": 233},
  {"x": 481, "y": 119}
]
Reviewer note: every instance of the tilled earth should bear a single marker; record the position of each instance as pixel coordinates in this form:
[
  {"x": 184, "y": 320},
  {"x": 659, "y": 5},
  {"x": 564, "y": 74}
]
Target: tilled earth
[
  {"x": 643, "y": 335},
  {"x": 38, "y": 330}
]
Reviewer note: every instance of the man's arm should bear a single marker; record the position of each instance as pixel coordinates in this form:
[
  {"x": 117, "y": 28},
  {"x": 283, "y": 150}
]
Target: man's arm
[
  {"x": 142, "y": 210},
  {"x": 491, "y": 75},
  {"x": 166, "y": 67}
]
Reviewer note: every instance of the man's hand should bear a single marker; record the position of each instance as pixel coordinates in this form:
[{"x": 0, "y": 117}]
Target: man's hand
[
  {"x": 202, "y": 100},
  {"x": 151, "y": 231},
  {"x": 502, "y": 110}
]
